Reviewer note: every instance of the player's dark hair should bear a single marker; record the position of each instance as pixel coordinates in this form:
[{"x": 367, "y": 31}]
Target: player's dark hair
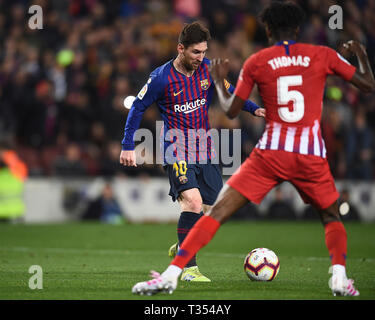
[
  {"x": 282, "y": 17},
  {"x": 193, "y": 33}
]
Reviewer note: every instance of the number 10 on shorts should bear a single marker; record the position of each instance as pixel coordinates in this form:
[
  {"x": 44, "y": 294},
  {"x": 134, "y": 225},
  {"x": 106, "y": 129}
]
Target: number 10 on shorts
[{"x": 180, "y": 168}]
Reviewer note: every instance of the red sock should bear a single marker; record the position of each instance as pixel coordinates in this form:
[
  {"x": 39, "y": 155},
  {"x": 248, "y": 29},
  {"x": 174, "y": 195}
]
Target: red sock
[
  {"x": 336, "y": 241},
  {"x": 201, "y": 234}
]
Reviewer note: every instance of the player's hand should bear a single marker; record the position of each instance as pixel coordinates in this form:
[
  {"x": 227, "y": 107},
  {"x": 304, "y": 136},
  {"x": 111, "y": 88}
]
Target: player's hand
[
  {"x": 351, "y": 47},
  {"x": 127, "y": 158},
  {"x": 219, "y": 69},
  {"x": 260, "y": 112}
]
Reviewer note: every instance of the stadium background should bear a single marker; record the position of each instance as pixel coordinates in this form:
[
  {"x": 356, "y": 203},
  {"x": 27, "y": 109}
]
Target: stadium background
[
  {"x": 62, "y": 90},
  {"x": 64, "y": 116}
]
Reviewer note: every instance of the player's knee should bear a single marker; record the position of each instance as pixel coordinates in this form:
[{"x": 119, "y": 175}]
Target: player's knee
[
  {"x": 330, "y": 214},
  {"x": 192, "y": 204},
  {"x": 328, "y": 217}
]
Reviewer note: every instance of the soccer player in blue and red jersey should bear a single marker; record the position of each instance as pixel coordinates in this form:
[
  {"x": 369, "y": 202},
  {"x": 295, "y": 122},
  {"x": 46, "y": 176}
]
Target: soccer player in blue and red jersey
[
  {"x": 183, "y": 90},
  {"x": 290, "y": 78}
]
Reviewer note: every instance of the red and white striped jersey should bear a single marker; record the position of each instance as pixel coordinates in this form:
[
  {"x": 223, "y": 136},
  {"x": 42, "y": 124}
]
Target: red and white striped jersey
[
  {"x": 291, "y": 78},
  {"x": 304, "y": 140}
]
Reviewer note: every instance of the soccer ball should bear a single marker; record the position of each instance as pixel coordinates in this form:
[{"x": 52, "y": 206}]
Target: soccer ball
[{"x": 261, "y": 264}]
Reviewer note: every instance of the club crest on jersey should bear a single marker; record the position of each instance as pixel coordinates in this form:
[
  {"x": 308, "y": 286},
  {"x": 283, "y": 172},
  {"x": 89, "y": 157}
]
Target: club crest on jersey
[
  {"x": 183, "y": 179},
  {"x": 204, "y": 84}
]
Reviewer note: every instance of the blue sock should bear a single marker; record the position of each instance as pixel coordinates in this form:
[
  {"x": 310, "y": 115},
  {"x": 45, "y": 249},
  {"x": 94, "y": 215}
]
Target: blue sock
[{"x": 185, "y": 223}]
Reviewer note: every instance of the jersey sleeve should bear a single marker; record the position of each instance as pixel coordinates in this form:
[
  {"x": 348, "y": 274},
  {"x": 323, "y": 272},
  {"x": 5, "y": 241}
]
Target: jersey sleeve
[
  {"x": 337, "y": 64},
  {"x": 245, "y": 82},
  {"x": 149, "y": 94},
  {"x": 249, "y": 106}
]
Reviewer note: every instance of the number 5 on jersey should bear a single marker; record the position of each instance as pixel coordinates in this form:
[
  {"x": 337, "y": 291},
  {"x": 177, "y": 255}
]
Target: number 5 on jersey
[{"x": 284, "y": 95}]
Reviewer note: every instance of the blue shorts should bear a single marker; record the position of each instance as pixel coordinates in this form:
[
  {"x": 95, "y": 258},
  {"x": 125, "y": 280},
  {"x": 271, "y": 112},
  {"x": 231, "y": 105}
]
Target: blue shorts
[{"x": 205, "y": 177}]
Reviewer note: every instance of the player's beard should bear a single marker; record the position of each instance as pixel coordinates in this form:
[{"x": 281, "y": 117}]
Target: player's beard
[
  {"x": 191, "y": 65},
  {"x": 195, "y": 65}
]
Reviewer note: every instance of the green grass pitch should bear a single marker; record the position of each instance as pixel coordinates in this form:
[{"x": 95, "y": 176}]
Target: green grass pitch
[{"x": 96, "y": 261}]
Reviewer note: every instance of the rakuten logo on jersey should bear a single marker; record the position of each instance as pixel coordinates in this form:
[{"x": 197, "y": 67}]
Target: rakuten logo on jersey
[{"x": 189, "y": 106}]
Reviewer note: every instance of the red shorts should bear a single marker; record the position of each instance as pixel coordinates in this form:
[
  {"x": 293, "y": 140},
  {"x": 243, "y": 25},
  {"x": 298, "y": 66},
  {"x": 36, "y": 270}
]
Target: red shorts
[{"x": 264, "y": 169}]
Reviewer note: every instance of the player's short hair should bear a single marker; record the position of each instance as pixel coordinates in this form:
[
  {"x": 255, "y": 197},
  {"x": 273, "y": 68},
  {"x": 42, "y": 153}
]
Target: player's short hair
[
  {"x": 193, "y": 33},
  {"x": 282, "y": 17}
]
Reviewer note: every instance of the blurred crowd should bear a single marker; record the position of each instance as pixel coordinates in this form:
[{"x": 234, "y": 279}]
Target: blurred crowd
[{"x": 62, "y": 87}]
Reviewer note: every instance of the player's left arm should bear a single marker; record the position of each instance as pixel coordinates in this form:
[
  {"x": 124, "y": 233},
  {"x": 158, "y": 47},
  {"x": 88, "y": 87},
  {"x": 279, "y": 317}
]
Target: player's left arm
[
  {"x": 249, "y": 105},
  {"x": 231, "y": 104},
  {"x": 363, "y": 78}
]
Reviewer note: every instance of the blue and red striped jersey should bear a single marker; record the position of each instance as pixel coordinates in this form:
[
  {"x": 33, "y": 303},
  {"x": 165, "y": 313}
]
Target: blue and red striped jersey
[{"x": 183, "y": 103}]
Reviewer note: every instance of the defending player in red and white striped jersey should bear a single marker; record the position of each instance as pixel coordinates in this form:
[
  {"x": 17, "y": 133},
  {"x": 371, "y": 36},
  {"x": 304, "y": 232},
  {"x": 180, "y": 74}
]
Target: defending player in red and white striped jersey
[{"x": 291, "y": 78}]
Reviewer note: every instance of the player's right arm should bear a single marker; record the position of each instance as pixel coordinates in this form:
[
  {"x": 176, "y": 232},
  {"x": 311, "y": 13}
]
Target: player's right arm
[
  {"x": 127, "y": 158},
  {"x": 150, "y": 93}
]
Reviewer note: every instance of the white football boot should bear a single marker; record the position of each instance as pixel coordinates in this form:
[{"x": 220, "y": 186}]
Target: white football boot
[
  {"x": 341, "y": 285},
  {"x": 159, "y": 283}
]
